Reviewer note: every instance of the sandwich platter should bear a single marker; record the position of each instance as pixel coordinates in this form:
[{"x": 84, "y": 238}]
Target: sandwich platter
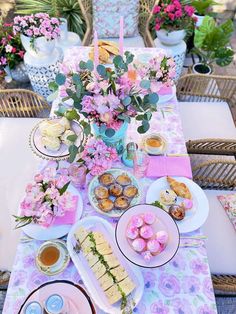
[{"x": 91, "y": 279}]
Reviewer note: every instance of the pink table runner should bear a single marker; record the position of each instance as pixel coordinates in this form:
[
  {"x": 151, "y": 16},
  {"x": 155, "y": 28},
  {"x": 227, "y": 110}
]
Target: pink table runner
[{"x": 181, "y": 286}]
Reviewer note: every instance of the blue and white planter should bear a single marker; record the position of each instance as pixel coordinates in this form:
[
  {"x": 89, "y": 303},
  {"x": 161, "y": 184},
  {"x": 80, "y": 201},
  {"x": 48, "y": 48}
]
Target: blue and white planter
[{"x": 117, "y": 140}]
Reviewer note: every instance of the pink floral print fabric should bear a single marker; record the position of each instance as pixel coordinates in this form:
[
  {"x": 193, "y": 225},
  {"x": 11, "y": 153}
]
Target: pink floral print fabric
[{"x": 106, "y": 17}]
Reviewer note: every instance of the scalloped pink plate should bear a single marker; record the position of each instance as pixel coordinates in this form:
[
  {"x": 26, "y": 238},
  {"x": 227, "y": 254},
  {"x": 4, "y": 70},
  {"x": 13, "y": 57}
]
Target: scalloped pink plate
[{"x": 163, "y": 222}]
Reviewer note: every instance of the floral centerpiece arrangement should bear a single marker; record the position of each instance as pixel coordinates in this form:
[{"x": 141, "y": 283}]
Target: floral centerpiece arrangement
[
  {"x": 11, "y": 49},
  {"x": 108, "y": 98},
  {"x": 160, "y": 71},
  {"x": 172, "y": 17},
  {"x": 34, "y": 27},
  {"x": 47, "y": 197}
]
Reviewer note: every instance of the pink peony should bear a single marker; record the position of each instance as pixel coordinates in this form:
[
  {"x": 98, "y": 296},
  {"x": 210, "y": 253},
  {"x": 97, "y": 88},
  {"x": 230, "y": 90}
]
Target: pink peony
[
  {"x": 8, "y": 48},
  {"x": 189, "y": 10},
  {"x": 156, "y": 9}
]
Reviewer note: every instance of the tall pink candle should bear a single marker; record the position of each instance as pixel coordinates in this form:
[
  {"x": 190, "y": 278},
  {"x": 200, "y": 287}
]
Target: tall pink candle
[
  {"x": 121, "y": 39},
  {"x": 96, "y": 51}
]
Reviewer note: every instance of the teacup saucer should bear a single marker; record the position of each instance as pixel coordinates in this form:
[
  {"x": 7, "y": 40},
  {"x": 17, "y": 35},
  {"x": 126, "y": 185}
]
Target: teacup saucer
[
  {"x": 60, "y": 265},
  {"x": 155, "y": 151}
]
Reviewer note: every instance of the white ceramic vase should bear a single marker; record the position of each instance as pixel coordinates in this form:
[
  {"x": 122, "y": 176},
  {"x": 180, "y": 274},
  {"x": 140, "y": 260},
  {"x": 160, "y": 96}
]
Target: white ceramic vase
[
  {"x": 170, "y": 38},
  {"x": 41, "y": 46},
  {"x": 200, "y": 19}
]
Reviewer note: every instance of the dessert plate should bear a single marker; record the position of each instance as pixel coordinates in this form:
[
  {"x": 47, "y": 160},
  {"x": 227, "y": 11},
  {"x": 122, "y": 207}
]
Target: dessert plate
[
  {"x": 164, "y": 222},
  {"x": 54, "y": 232},
  {"x": 75, "y": 297},
  {"x": 114, "y": 212},
  {"x": 63, "y": 152},
  {"x": 87, "y": 275},
  {"x": 196, "y": 216}
]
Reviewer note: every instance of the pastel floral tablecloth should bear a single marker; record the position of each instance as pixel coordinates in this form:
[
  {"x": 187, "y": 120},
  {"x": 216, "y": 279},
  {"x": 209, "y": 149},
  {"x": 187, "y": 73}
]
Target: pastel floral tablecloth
[{"x": 182, "y": 286}]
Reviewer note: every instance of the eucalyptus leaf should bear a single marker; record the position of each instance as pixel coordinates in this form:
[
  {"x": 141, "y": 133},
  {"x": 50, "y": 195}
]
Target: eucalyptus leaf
[
  {"x": 53, "y": 86},
  {"x": 110, "y": 132},
  {"x": 72, "y": 138},
  {"x": 82, "y": 65},
  {"x": 126, "y": 101},
  {"x": 145, "y": 84},
  {"x": 153, "y": 98},
  {"x": 90, "y": 65},
  {"x": 60, "y": 79},
  {"x": 141, "y": 129},
  {"x": 76, "y": 79},
  {"x": 102, "y": 71},
  {"x": 72, "y": 114},
  {"x": 61, "y": 110}
]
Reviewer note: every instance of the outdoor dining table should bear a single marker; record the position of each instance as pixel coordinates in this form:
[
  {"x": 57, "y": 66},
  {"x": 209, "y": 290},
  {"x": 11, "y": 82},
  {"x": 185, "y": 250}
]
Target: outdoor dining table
[{"x": 183, "y": 285}]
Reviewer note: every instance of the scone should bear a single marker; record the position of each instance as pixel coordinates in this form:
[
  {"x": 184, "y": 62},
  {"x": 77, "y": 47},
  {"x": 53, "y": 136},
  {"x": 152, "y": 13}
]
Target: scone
[
  {"x": 123, "y": 179},
  {"x": 101, "y": 192},
  {"x": 106, "y": 205},
  {"x": 130, "y": 191},
  {"x": 168, "y": 197},
  {"x": 106, "y": 179},
  {"x": 115, "y": 190},
  {"x": 121, "y": 202}
]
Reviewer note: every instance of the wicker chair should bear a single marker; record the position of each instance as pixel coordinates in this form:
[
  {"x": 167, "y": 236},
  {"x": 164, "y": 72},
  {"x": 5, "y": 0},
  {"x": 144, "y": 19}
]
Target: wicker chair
[
  {"x": 208, "y": 88},
  {"x": 145, "y": 15},
  {"x": 212, "y": 147},
  {"x": 218, "y": 175},
  {"x": 21, "y": 103}
]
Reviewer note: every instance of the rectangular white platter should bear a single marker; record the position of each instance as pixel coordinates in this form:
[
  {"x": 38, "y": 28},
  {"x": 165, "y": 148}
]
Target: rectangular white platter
[{"x": 86, "y": 273}]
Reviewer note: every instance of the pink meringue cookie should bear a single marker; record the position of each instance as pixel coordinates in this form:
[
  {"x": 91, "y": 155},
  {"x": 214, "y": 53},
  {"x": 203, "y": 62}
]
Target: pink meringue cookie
[
  {"x": 149, "y": 218},
  {"x": 147, "y": 256},
  {"x": 146, "y": 232},
  {"x": 162, "y": 237},
  {"x": 139, "y": 245},
  {"x": 153, "y": 246},
  {"x": 136, "y": 221},
  {"x": 187, "y": 204},
  {"x": 132, "y": 232}
]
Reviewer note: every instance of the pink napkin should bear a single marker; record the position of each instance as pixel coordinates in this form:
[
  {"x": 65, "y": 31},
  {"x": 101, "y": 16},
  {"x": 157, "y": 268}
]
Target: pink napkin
[
  {"x": 69, "y": 217},
  {"x": 165, "y": 90},
  {"x": 160, "y": 166}
]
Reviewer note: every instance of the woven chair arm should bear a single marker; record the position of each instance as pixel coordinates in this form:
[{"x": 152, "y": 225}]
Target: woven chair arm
[
  {"x": 211, "y": 146},
  {"x": 225, "y": 283}
]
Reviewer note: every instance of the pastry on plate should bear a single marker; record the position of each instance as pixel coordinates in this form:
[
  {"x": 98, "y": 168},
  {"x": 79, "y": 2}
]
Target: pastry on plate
[
  {"x": 168, "y": 197},
  {"x": 180, "y": 188},
  {"x": 123, "y": 179},
  {"x": 106, "y": 205},
  {"x": 115, "y": 189},
  {"x": 106, "y": 179},
  {"x": 101, "y": 192},
  {"x": 121, "y": 202},
  {"x": 130, "y": 191},
  {"x": 177, "y": 212}
]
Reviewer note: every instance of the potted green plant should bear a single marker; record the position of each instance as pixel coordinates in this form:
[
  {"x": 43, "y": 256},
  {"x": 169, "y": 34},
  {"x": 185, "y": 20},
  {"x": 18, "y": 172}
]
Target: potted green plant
[
  {"x": 202, "y": 8},
  {"x": 211, "y": 43}
]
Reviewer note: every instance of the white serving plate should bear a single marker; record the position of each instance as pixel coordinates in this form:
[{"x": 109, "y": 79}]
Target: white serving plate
[
  {"x": 86, "y": 273},
  {"x": 196, "y": 216},
  {"x": 54, "y": 232}
]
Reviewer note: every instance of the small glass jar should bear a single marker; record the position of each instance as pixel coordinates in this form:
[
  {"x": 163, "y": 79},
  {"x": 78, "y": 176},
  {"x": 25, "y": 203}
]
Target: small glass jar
[
  {"x": 55, "y": 304},
  {"x": 78, "y": 174},
  {"x": 141, "y": 162}
]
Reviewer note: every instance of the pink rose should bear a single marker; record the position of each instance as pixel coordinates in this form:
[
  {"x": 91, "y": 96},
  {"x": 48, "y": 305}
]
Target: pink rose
[
  {"x": 61, "y": 181},
  {"x": 156, "y": 9},
  {"x": 8, "y": 48},
  {"x": 47, "y": 217}
]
